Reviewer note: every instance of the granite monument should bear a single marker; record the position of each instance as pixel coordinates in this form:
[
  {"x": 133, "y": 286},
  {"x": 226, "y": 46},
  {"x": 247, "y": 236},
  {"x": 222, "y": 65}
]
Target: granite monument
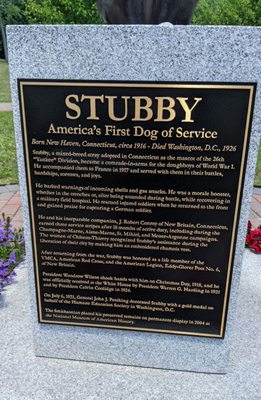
[{"x": 136, "y": 151}]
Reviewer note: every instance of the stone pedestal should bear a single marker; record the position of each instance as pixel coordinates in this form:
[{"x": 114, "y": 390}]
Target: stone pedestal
[{"x": 145, "y": 53}]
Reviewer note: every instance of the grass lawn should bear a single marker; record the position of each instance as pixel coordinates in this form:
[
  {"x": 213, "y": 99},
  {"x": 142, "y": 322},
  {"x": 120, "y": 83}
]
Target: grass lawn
[
  {"x": 5, "y": 96},
  {"x": 8, "y": 166}
]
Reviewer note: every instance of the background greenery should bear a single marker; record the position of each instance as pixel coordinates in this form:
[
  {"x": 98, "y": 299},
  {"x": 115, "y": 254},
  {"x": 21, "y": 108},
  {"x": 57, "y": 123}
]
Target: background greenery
[
  {"x": 8, "y": 165},
  {"x": 228, "y": 12},
  {"x": 61, "y": 12},
  {"x": 11, "y": 12},
  {"x": 5, "y": 96}
]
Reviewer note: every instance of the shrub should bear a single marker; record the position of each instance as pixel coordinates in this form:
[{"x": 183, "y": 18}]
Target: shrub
[
  {"x": 62, "y": 12},
  {"x": 228, "y": 12}
]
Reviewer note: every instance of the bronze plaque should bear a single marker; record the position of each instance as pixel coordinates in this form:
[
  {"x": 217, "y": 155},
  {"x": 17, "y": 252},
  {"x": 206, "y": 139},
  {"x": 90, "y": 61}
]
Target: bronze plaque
[{"x": 134, "y": 192}]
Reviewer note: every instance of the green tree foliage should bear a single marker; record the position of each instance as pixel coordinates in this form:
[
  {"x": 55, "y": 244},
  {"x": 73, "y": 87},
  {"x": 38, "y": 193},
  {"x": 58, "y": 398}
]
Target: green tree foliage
[
  {"x": 62, "y": 12},
  {"x": 11, "y": 12},
  {"x": 228, "y": 12}
]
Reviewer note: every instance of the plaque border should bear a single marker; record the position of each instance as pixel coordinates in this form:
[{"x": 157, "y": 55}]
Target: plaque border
[{"x": 250, "y": 86}]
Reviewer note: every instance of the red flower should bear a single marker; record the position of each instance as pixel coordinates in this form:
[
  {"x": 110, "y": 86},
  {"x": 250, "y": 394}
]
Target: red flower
[{"x": 253, "y": 240}]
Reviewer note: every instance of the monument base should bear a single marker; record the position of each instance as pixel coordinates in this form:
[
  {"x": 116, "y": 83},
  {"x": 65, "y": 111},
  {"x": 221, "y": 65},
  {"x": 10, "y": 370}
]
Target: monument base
[{"x": 132, "y": 348}]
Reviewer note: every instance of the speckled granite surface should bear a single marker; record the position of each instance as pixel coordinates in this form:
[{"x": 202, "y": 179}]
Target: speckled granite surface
[
  {"x": 26, "y": 377},
  {"x": 219, "y": 54}
]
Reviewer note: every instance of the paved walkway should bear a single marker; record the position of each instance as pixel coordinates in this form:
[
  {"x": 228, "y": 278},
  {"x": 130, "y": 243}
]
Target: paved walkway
[
  {"x": 6, "y": 107},
  {"x": 255, "y": 213},
  {"x": 10, "y": 204}
]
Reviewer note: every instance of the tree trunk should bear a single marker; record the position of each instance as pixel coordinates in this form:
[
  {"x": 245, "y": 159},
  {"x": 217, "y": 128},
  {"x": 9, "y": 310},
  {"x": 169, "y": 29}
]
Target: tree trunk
[{"x": 2, "y": 29}]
